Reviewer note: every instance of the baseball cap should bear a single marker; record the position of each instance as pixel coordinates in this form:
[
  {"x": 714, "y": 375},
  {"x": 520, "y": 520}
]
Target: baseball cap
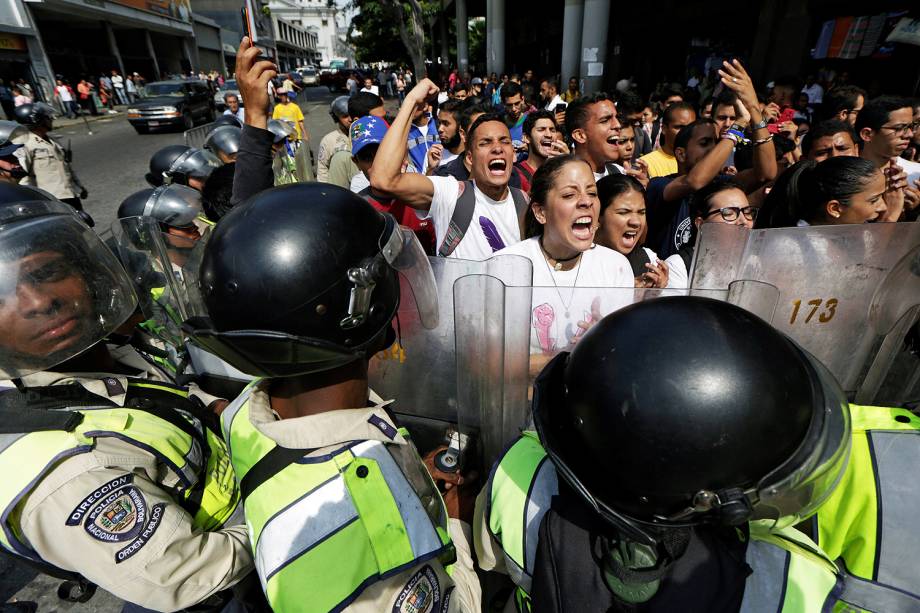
[
  {"x": 367, "y": 130},
  {"x": 476, "y": 81}
]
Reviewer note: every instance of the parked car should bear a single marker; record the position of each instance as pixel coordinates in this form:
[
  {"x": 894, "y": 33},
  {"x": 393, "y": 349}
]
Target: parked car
[
  {"x": 172, "y": 104},
  {"x": 336, "y": 81},
  {"x": 229, "y": 87},
  {"x": 309, "y": 75}
]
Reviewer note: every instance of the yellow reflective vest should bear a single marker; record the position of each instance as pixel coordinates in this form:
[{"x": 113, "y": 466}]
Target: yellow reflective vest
[{"x": 207, "y": 488}]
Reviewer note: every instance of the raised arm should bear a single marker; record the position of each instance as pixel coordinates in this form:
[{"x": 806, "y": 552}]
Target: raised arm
[
  {"x": 764, "y": 169},
  {"x": 253, "y": 171},
  {"x": 386, "y": 176}
]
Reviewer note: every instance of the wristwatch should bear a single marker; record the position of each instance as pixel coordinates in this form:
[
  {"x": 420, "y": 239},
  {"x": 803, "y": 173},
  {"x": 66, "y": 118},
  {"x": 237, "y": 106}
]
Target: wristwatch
[{"x": 760, "y": 125}]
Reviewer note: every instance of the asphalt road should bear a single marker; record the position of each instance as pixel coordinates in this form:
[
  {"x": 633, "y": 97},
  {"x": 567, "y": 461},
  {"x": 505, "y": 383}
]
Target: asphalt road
[{"x": 111, "y": 163}]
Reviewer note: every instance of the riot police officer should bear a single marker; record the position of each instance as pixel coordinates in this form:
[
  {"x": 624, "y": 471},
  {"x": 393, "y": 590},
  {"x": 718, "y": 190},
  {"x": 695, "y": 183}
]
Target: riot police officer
[
  {"x": 12, "y": 135},
  {"x": 111, "y": 477},
  {"x": 46, "y": 163},
  {"x": 336, "y": 140},
  {"x": 300, "y": 287},
  {"x": 175, "y": 207},
  {"x": 181, "y": 164},
  {"x": 642, "y": 494},
  {"x": 224, "y": 142}
]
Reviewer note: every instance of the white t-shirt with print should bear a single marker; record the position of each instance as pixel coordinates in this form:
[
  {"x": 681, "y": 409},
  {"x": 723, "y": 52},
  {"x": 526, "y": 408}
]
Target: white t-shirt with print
[
  {"x": 562, "y": 298},
  {"x": 494, "y": 225}
]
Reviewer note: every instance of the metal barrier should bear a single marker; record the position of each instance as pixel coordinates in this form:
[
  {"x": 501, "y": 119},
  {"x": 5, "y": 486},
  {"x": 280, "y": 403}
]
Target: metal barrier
[{"x": 197, "y": 135}]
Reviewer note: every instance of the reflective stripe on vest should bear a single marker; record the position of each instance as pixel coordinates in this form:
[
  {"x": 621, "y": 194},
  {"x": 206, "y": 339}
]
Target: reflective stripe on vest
[
  {"x": 789, "y": 576},
  {"x": 326, "y": 527},
  {"x": 26, "y": 458},
  {"x": 870, "y": 519},
  {"x": 520, "y": 491}
]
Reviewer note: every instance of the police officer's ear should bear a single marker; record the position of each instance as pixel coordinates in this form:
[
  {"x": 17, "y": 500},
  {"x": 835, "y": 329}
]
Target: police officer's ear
[
  {"x": 680, "y": 154},
  {"x": 833, "y": 209}
]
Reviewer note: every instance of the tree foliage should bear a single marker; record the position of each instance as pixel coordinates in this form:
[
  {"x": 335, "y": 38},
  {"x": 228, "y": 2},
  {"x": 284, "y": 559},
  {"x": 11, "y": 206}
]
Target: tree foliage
[{"x": 380, "y": 25}]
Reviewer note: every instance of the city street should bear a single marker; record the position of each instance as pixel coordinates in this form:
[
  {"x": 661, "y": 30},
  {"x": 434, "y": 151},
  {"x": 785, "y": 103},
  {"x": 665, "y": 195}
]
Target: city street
[{"x": 111, "y": 162}]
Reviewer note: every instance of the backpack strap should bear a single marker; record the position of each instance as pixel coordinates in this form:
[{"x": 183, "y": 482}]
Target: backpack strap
[
  {"x": 521, "y": 205},
  {"x": 459, "y": 221}
]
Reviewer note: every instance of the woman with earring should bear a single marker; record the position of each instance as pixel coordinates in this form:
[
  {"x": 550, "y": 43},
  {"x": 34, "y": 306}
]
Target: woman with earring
[{"x": 565, "y": 210}]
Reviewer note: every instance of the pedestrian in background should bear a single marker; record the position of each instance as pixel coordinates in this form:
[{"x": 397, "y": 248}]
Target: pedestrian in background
[
  {"x": 19, "y": 97},
  {"x": 85, "y": 95},
  {"x": 6, "y": 100},
  {"x": 118, "y": 83},
  {"x": 131, "y": 89}
]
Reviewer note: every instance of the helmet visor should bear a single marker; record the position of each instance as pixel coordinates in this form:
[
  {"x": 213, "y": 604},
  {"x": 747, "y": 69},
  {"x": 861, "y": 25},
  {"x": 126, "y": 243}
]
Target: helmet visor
[
  {"x": 61, "y": 290},
  {"x": 791, "y": 495},
  {"x": 196, "y": 163},
  {"x": 404, "y": 253}
]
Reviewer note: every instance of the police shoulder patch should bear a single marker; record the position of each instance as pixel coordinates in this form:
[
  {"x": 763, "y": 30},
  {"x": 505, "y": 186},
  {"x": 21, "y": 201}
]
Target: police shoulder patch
[
  {"x": 119, "y": 516},
  {"x": 422, "y": 593}
]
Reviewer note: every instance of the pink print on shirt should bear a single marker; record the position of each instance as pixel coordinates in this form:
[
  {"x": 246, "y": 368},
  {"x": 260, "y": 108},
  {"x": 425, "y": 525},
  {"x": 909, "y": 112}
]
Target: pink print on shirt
[{"x": 543, "y": 318}]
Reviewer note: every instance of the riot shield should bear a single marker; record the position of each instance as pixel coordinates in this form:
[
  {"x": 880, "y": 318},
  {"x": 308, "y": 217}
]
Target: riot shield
[
  {"x": 848, "y": 294},
  {"x": 502, "y": 348},
  {"x": 419, "y": 371}
]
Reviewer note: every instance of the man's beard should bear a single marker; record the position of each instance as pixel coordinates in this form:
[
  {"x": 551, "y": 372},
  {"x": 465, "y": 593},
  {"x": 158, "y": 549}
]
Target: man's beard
[{"x": 453, "y": 142}]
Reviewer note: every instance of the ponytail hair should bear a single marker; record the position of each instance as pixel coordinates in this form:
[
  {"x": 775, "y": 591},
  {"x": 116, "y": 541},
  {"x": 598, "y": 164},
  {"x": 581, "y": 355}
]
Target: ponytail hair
[{"x": 806, "y": 187}]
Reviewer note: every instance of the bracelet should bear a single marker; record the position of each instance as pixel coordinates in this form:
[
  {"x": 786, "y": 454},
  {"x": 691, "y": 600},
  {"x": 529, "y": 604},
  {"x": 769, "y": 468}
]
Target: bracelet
[
  {"x": 738, "y": 128},
  {"x": 735, "y": 135},
  {"x": 760, "y": 125},
  {"x": 763, "y": 141}
]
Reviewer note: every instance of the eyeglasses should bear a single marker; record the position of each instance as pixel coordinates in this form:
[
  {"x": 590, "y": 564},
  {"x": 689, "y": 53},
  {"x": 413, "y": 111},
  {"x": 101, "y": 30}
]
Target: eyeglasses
[
  {"x": 903, "y": 127},
  {"x": 730, "y": 213}
]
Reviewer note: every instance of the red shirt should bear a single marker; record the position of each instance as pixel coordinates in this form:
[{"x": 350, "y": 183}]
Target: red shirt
[{"x": 405, "y": 216}]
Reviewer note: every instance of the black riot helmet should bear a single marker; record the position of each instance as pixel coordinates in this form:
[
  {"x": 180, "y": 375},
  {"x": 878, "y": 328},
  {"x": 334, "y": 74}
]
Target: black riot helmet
[
  {"x": 227, "y": 120},
  {"x": 171, "y": 205},
  {"x": 681, "y": 411},
  {"x": 34, "y": 114},
  {"x": 224, "y": 141},
  {"x": 178, "y": 163},
  {"x": 303, "y": 278}
]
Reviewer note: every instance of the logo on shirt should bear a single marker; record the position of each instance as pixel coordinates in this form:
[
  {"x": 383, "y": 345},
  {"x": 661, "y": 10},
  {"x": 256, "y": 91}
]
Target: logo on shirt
[
  {"x": 118, "y": 517},
  {"x": 422, "y": 594},
  {"x": 682, "y": 233}
]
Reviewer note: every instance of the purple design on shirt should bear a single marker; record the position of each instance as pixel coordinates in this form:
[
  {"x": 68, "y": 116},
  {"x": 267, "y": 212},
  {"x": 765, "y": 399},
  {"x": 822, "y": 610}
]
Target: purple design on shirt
[{"x": 491, "y": 233}]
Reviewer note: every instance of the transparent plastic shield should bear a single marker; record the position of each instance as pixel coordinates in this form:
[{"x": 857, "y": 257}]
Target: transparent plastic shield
[
  {"x": 420, "y": 372},
  {"x": 847, "y": 293},
  {"x": 62, "y": 289},
  {"x": 150, "y": 257},
  {"x": 504, "y": 345},
  {"x": 404, "y": 253}
]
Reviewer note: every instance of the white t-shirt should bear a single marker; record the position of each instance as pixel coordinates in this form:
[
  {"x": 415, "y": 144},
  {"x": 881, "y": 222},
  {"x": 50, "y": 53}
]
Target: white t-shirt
[
  {"x": 240, "y": 114},
  {"x": 552, "y": 103},
  {"x": 562, "y": 298},
  {"x": 372, "y": 89},
  {"x": 815, "y": 93},
  {"x": 494, "y": 225},
  {"x": 359, "y": 182},
  {"x": 118, "y": 81},
  {"x": 447, "y": 157},
  {"x": 64, "y": 93},
  {"x": 911, "y": 168}
]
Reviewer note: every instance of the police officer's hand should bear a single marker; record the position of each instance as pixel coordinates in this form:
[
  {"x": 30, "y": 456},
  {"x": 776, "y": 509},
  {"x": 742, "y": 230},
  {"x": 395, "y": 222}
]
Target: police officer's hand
[
  {"x": 457, "y": 488},
  {"x": 252, "y": 76}
]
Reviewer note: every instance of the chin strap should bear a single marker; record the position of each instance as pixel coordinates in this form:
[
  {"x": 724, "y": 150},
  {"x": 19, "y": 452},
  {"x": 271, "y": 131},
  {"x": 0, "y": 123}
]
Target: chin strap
[{"x": 633, "y": 571}]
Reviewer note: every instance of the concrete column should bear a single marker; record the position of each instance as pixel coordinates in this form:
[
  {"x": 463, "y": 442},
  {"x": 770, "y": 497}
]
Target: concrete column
[
  {"x": 489, "y": 12},
  {"x": 573, "y": 16},
  {"x": 153, "y": 55},
  {"x": 113, "y": 46},
  {"x": 442, "y": 31},
  {"x": 594, "y": 44},
  {"x": 497, "y": 28},
  {"x": 463, "y": 52},
  {"x": 187, "y": 51}
]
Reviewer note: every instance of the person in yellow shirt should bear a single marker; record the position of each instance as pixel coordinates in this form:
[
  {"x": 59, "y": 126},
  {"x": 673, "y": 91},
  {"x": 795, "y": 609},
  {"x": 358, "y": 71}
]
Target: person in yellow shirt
[
  {"x": 289, "y": 111},
  {"x": 661, "y": 162}
]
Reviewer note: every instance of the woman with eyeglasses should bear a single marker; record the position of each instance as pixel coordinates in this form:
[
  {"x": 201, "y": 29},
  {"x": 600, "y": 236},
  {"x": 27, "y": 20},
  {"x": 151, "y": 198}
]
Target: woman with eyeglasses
[
  {"x": 838, "y": 190},
  {"x": 623, "y": 228}
]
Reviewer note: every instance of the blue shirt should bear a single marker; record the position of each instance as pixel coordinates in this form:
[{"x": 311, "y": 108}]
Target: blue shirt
[{"x": 419, "y": 144}]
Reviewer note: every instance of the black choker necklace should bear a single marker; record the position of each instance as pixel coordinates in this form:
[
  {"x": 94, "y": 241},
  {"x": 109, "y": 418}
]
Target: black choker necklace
[{"x": 559, "y": 263}]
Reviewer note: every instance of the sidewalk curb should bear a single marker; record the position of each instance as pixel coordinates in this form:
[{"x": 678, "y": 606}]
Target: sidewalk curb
[{"x": 63, "y": 122}]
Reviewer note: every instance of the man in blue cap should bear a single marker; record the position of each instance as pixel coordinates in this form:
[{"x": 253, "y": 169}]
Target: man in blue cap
[
  {"x": 366, "y": 135},
  {"x": 10, "y": 169}
]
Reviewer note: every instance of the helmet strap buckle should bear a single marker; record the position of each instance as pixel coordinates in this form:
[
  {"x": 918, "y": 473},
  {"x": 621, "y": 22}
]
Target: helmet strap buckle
[{"x": 359, "y": 300}]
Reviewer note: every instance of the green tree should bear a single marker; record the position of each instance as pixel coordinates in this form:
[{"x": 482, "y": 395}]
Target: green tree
[{"x": 381, "y": 22}]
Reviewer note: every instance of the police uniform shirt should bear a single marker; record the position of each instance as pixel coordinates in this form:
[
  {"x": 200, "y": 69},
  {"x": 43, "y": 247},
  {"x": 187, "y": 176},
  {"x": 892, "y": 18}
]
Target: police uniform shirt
[
  {"x": 327, "y": 432},
  {"x": 43, "y": 159},
  {"x": 84, "y": 516}
]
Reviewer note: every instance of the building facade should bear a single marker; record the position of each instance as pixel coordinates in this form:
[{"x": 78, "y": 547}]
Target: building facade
[
  {"x": 297, "y": 45},
  {"x": 319, "y": 17}
]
